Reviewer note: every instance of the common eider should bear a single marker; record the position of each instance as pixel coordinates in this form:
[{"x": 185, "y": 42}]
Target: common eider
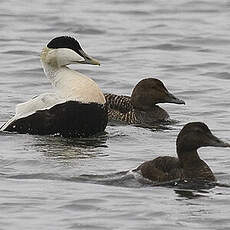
[
  {"x": 77, "y": 107},
  {"x": 141, "y": 107},
  {"x": 188, "y": 166}
]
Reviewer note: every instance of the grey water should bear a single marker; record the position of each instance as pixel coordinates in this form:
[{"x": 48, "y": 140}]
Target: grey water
[{"x": 50, "y": 182}]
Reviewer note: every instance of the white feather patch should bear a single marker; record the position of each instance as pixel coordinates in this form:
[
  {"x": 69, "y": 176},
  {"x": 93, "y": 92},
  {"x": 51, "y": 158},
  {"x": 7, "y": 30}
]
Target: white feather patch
[{"x": 41, "y": 102}]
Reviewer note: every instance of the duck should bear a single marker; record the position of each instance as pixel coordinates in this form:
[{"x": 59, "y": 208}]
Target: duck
[
  {"x": 75, "y": 108},
  {"x": 188, "y": 166},
  {"x": 140, "y": 107}
]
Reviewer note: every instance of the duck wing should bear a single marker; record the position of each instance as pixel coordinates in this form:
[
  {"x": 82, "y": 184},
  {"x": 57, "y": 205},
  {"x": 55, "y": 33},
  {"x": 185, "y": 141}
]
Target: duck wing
[
  {"x": 161, "y": 169},
  {"x": 120, "y": 109},
  {"x": 41, "y": 102},
  {"x": 118, "y": 102}
]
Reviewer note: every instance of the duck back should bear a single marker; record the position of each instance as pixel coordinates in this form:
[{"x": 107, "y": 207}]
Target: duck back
[{"x": 121, "y": 109}]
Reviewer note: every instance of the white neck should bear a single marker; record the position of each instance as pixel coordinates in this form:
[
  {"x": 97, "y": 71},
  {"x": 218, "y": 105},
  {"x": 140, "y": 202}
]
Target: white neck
[{"x": 70, "y": 84}]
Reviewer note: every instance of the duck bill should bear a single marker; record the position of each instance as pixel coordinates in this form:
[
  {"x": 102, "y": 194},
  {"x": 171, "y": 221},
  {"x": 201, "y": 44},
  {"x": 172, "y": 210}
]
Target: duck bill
[
  {"x": 216, "y": 142},
  {"x": 88, "y": 59},
  {"x": 172, "y": 99}
]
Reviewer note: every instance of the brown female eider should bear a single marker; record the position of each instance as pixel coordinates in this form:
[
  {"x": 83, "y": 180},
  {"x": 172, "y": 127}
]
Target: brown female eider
[
  {"x": 141, "y": 107},
  {"x": 188, "y": 166}
]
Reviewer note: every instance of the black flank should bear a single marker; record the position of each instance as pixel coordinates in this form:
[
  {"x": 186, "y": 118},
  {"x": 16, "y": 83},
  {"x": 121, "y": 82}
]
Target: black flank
[{"x": 69, "y": 119}]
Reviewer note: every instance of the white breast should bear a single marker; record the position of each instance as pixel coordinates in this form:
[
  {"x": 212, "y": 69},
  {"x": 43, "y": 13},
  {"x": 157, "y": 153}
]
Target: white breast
[
  {"x": 69, "y": 84},
  {"x": 72, "y": 85}
]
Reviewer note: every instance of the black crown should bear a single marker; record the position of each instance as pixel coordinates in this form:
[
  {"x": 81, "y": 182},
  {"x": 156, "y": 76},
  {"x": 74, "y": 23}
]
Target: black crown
[{"x": 65, "y": 42}]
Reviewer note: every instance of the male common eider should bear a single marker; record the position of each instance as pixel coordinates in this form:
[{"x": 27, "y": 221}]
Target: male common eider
[
  {"x": 141, "y": 107},
  {"x": 76, "y": 108},
  {"x": 188, "y": 166}
]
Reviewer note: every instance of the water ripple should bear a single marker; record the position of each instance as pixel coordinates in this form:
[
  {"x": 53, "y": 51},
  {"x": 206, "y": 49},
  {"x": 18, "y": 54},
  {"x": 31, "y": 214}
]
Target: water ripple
[{"x": 83, "y": 183}]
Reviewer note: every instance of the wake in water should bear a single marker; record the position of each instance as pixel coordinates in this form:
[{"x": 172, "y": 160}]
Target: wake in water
[{"x": 130, "y": 179}]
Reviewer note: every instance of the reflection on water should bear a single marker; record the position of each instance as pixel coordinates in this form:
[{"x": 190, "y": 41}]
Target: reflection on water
[
  {"x": 69, "y": 148},
  {"x": 160, "y": 126}
]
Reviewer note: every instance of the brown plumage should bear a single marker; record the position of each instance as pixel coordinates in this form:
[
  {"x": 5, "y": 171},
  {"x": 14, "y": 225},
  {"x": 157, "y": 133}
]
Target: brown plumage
[
  {"x": 188, "y": 165},
  {"x": 141, "y": 107}
]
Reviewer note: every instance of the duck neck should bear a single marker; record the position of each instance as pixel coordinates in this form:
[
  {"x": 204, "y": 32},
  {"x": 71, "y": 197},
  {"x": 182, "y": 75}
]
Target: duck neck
[
  {"x": 144, "y": 107},
  {"x": 157, "y": 113},
  {"x": 193, "y": 167},
  {"x": 188, "y": 157},
  {"x": 55, "y": 74},
  {"x": 50, "y": 66},
  {"x": 50, "y": 70}
]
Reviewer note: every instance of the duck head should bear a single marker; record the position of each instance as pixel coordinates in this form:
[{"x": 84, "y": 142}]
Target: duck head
[
  {"x": 195, "y": 135},
  {"x": 64, "y": 50},
  {"x": 149, "y": 92}
]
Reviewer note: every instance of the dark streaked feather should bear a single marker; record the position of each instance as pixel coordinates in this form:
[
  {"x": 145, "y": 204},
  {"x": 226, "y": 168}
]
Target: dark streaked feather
[
  {"x": 121, "y": 109},
  {"x": 119, "y": 103}
]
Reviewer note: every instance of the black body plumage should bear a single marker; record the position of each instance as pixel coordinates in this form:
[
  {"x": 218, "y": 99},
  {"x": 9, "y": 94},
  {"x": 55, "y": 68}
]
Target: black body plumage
[{"x": 69, "y": 119}]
